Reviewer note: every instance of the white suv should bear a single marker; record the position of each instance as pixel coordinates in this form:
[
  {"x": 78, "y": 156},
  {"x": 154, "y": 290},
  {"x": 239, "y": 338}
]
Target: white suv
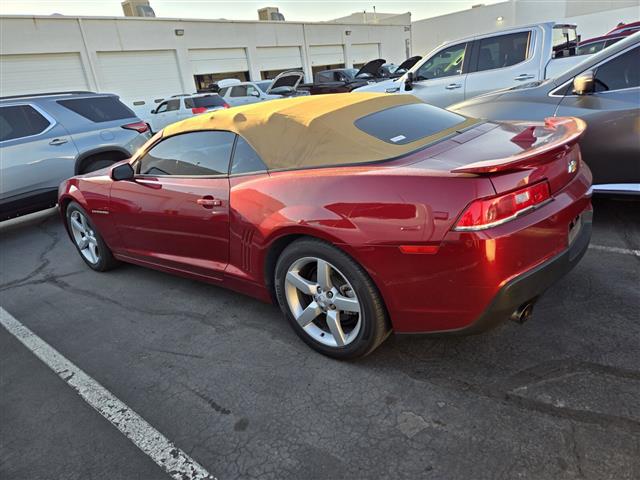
[{"x": 179, "y": 107}]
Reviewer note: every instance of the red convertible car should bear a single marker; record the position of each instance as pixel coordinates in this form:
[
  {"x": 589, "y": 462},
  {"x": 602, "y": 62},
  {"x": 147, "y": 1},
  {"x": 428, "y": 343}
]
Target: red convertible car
[{"x": 359, "y": 214}]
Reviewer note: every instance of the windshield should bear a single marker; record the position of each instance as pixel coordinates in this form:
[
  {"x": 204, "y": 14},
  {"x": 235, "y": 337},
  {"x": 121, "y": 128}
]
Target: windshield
[{"x": 565, "y": 40}]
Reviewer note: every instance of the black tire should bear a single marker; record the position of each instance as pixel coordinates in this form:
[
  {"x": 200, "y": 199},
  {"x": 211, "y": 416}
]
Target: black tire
[
  {"x": 106, "y": 261},
  {"x": 375, "y": 324}
]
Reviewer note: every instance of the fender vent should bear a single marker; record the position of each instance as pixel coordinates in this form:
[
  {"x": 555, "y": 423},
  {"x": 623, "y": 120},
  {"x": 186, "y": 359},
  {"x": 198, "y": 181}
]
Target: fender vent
[{"x": 246, "y": 241}]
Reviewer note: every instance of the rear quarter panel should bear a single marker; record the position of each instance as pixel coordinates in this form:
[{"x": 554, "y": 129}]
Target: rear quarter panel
[{"x": 355, "y": 208}]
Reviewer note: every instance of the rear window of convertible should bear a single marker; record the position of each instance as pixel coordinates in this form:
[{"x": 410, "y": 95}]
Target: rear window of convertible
[{"x": 408, "y": 123}]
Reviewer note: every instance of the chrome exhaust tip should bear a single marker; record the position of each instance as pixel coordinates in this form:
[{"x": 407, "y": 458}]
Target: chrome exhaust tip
[{"x": 523, "y": 313}]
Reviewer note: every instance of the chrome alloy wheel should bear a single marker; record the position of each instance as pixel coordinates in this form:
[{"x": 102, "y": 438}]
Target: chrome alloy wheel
[
  {"x": 84, "y": 237},
  {"x": 323, "y": 302}
]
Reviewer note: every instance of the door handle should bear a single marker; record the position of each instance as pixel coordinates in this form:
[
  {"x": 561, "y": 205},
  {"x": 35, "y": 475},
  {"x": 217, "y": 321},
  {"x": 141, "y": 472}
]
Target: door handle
[
  {"x": 453, "y": 86},
  {"x": 209, "y": 202},
  {"x": 58, "y": 141},
  {"x": 524, "y": 76}
]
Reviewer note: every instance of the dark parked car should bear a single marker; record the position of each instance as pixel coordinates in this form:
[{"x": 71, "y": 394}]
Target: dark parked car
[
  {"x": 603, "y": 90},
  {"x": 46, "y": 138}
]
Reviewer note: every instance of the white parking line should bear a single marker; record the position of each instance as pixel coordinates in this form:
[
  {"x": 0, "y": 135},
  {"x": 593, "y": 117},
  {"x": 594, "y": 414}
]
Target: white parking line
[
  {"x": 170, "y": 458},
  {"x": 625, "y": 251}
]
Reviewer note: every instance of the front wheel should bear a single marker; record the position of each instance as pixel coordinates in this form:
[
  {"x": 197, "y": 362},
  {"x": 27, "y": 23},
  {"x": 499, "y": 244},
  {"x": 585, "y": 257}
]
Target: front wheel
[
  {"x": 87, "y": 240},
  {"x": 330, "y": 301}
]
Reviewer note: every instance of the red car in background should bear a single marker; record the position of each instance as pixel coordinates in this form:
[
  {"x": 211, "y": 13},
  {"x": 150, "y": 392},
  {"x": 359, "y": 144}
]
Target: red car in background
[
  {"x": 358, "y": 214},
  {"x": 593, "y": 45}
]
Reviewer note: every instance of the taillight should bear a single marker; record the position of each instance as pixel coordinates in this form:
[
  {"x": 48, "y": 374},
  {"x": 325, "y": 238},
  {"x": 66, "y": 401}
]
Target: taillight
[
  {"x": 198, "y": 110},
  {"x": 139, "y": 127},
  {"x": 490, "y": 212},
  {"x": 226, "y": 105}
]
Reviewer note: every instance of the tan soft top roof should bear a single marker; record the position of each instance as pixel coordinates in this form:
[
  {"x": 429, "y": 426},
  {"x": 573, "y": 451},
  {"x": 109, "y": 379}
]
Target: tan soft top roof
[{"x": 311, "y": 131}]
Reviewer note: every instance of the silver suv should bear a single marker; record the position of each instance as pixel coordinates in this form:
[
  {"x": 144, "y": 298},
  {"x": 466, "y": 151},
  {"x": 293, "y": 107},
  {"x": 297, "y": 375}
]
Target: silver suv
[{"x": 47, "y": 138}]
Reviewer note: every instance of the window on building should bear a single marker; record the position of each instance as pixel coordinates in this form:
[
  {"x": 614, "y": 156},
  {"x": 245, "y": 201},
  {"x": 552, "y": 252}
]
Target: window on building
[
  {"x": 190, "y": 154},
  {"x": 18, "y": 121},
  {"x": 98, "y": 109},
  {"x": 502, "y": 51},
  {"x": 206, "y": 82}
]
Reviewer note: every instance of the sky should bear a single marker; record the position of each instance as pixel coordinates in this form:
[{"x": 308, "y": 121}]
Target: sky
[{"x": 296, "y": 10}]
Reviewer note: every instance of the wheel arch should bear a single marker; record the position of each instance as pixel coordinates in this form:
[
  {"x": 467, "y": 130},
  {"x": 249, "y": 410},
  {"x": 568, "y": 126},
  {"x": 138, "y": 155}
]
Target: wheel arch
[
  {"x": 121, "y": 151},
  {"x": 278, "y": 243}
]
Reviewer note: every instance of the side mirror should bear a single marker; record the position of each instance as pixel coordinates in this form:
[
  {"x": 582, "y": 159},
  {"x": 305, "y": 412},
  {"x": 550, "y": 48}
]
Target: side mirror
[
  {"x": 408, "y": 82},
  {"x": 153, "y": 110},
  {"x": 122, "y": 172},
  {"x": 584, "y": 83},
  {"x": 254, "y": 93}
]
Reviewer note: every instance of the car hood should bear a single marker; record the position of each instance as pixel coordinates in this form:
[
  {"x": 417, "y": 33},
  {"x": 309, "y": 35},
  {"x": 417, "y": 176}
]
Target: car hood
[
  {"x": 371, "y": 67},
  {"x": 386, "y": 86},
  {"x": 290, "y": 79},
  {"x": 409, "y": 63}
]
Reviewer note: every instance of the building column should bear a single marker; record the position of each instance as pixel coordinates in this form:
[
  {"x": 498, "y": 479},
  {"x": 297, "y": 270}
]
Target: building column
[
  {"x": 306, "y": 59},
  {"x": 89, "y": 60},
  {"x": 254, "y": 69},
  {"x": 184, "y": 68}
]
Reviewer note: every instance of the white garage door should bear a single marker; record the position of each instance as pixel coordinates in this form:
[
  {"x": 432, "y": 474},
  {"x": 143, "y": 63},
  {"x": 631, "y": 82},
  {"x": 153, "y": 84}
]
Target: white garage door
[
  {"x": 37, "y": 73},
  {"x": 278, "y": 58},
  {"x": 326, "y": 54},
  {"x": 364, "y": 52},
  {"x": 139, "y": 75},
  {"x": 218, "y": 60}
]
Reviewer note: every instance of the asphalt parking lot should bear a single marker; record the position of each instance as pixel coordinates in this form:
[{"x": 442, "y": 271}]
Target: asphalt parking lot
[{"x": 226, "y": 380}]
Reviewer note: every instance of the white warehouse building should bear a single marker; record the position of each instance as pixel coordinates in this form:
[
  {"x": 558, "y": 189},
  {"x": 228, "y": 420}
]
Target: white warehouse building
[{"x": 143, "y": 58}]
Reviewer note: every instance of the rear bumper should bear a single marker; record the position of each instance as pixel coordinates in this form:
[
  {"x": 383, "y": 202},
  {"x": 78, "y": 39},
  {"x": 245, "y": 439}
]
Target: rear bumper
[{"x": 527, "y": 287}]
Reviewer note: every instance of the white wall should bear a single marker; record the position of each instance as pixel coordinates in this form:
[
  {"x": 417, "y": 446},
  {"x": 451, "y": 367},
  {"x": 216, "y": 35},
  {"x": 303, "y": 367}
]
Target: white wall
[{"x": 88, "y": 36}]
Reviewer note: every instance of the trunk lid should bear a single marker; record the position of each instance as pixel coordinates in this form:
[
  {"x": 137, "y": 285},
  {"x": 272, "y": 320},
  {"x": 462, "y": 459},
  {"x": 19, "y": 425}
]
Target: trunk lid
[
  {"x": 371, "y": 68},
  {"x": 513, "y": 154},
  {"x": 288, "y": 80}
]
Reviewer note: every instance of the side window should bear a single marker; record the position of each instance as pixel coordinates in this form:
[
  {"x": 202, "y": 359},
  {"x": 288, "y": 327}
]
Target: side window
[
  {"x": 173, "y": 105},
  {"x": 620, "y": 72},
  {"x": 239, "y": 91},
  {"x": 188, "y": 102},
  {"x": 502, "y": 51},
  {"x": 162, "y": 107},
  {"x": 19, "y": 121},
  {"x": 223, "y": 91},
  {"x": 191, "y": 154},
  {"x": 591, "y": 48},
  {"x": 245, "y": 158},
  {"x": 251, "y": 90},
  {"x": 445, "y": 63}
]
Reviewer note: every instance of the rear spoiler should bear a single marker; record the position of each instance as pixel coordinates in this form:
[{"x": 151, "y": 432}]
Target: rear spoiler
[{"x": 569, "y": 130}]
